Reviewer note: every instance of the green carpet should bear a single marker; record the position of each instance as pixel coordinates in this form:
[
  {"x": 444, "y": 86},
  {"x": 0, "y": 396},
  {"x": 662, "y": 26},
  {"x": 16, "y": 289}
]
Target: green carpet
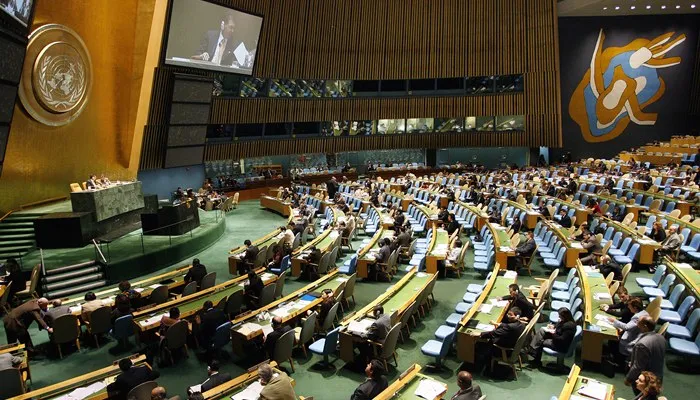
[{"x": 249, "y": 221}]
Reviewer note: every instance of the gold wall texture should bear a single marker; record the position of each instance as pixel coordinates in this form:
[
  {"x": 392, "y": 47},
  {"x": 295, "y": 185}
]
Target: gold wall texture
[{"x": 42, "y": 161}]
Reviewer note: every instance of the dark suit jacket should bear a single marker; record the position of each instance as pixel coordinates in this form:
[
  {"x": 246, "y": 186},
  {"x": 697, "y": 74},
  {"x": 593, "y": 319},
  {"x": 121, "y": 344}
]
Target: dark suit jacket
[
  {"x": 54, "y": 313},
  {"x": 215, "y": 380},
  {"x": 211, "y": 319},
  {"x": 332, "y": 188},
  {"x": 23, "y": 315},
  {"x": 452, "y": 226},
  {"x": 370, "y": 388},
  {"x": 527, "y": 310},
  {"x": 380, "y": 328},
  {"x": 506, "y": 335},
  {"x": 526, "y": 248},
  {"x": 129, "y": 379},
  {"x": 19, "y": 283},
  {"x": 196, "y": 273},
  {"x": 384, "y": 254},
  {"x": 251, "y": 253},
  {"x": 404, "y": 239},
  {"x": 273, "y": 337},
  {"x": 473, "y": 393},
  {"x": 563, "y": 335},
  {"x": 647, "y": 355},
  {"x": 565, "y": 221},
  {"x": 209, "y": 43}
]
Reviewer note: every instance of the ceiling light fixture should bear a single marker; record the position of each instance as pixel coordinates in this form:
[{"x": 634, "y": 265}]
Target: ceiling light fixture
[
  {"x": 677, "y": 7},
  {"x": 605, "y": 8},
  {"x": 617, "y": 7},
  {"x": 663, "y": 7},
  {"x": 632, "y": 7},
  {"x": 648, "y": 7}
]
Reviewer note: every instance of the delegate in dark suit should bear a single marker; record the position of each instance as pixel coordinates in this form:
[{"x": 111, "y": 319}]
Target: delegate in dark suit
[
  {"x": 560, "y": 340},
  {"x": 565, "y": 221},
  {"x": 196, "y": 273},
  {"x": 215, "y": 380},
  {"x": 506, "y": 334},
  {"x": 524, "y": 249},
  {"x": 370, "y": 388},
  {"x": 272, "y": 338},
  {"x": 379, "y": 329},
  {"x": 647, "y": 355},
  {"x": 472, "y": 393},
  {"x": 209, "y": 321},
  {"x": 249, "y": 257},
  {"x": 129, "y": 379},
  {"x": 20, "y": 318},
  {"x": 209, "y": 43},
  {"x": 519, "y": 301}
]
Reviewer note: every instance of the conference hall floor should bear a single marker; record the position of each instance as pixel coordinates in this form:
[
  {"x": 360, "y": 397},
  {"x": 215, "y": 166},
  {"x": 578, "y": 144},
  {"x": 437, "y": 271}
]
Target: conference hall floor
[{"x": 249, "y": 221}]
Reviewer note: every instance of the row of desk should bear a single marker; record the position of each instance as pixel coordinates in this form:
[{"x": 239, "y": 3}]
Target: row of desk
[{"x": 412, "y": 287}]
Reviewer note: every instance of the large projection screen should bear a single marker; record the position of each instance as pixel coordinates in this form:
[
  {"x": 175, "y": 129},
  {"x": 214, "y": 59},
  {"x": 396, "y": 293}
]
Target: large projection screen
[{"x": 209, "y": 36}]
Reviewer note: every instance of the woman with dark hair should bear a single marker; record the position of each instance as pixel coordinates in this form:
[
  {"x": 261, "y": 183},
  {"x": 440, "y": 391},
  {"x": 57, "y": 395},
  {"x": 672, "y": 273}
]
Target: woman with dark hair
[
  {"x": 557, "y": 337},
  {"x": 648, "y": 385}
]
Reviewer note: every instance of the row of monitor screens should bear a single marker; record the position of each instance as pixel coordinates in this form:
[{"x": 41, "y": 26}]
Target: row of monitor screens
[{"x": 505, "y": 123}]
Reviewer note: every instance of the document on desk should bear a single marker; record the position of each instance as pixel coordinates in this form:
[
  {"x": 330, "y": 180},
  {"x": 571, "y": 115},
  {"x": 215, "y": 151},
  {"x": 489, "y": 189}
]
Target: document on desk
[
  {"x": 341, "y": 279},
  {"x": 601, "y": 296},
  {"x": 684, "y": 265},
  {"x": 154, "y": 286},
  {"x": 267, "y": 276},
  {"x": 152, "y": 320},
  {"x": 486, "y": 308},
  {"x": 267, "y": 329},
  {"x": 485, "y": 327},
  {"x": 499, "y": 303},
  {"x": 429, "y": 389},
  {"x": 510, "y": 274},
  {"x": 248, "y": 328},
  {"x": 360, "y": 327},
  {"x": 75, "y": 309},
  {"x": 576, "y": 245},
  {"x": 604, "y": 324},
  {"x": 595, "y": 390},
  {"x": 252, "y": 392}
]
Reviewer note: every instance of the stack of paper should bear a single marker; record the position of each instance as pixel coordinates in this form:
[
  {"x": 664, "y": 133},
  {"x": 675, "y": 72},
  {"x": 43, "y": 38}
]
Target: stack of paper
[
  {"x": 267, "y": 329},
  {"x": 152, "y": 320},
  {"x": 139, "y": 289},
  {"x": 485, "y": 327},
  {"x": 684, "y": 265},
  {"x": 248, "y": 328},
  {"x": 576, "y": 245},
  {"x": 602, "y": 295},
  {"x": 360, "y": 327},
  {"x": 499, "y": 303},
  {"x": 154, "y": 286},
  {"x": 341, "y": 279},
  {"x": 595, "y": 390},
  {"x": 486, "y": 308},
  {"x": 75, "y": 309},
  {"x": 510, "y": 274},
  {"x": 421, "y": 274},
  {"x": 429, "y": 389},
  {"x": 505, "y": 248},
  {"x": 252, "y": 392}
]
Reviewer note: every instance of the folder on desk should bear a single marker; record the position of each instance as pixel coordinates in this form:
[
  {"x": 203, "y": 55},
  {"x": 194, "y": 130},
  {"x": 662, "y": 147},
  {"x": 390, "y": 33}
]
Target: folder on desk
[{"x": 594, "y": 390}]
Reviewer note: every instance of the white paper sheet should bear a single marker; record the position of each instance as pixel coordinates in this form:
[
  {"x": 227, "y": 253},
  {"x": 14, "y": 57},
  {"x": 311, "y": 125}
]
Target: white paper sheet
[
  {"x": 510, "y": 274},
  {"x": 252, "y": 392},
  {"x": 486, "y": 308},
  {"x": 595, "y": 390},
  {"x": 267, "y": 329},
  {"x": 248, "y": 328},
  {"x": 485, "y": 327},
  {"x": 497, "y": 303},
  {"x": 429, "y": 389},
  {"x": 360, "y": 327},
  {"x": 241, "y": 53},
  {"x": 154, "y": 286}
]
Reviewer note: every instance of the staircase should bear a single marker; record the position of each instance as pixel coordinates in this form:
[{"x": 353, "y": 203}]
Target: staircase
[
  {"x": 71, "y": 279},
  {"x": 17, "y": 235}
]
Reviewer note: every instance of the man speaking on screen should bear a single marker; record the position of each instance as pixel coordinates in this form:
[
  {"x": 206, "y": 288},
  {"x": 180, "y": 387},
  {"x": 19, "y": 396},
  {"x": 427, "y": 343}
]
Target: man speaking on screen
[{"x": 217, "y": 45}]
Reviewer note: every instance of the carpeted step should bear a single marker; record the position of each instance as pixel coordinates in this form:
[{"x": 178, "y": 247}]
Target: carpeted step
[
  {"x": 11, "y": 241},
  {"x": 70, "y": 274},
  {"x": 15, "y": 235},
  {"x": 12, "y": 230},
  {"x": 50, "y": 287},
  {"x": 14, "y": 251},
  {"x": 75, "y": 289},
  {"x": 60, "y": 270}
]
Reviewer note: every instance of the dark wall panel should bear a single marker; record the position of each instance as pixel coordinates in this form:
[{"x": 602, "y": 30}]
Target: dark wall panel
[
  {"x": 184, "y": 156},
  {"x": 187, "y": 135},
  {"x": 186, "y": 113},
  {"x": 8, "y": 93},
  {"x": 192, "y": 91},
  {"x": 663, "y": 94}
]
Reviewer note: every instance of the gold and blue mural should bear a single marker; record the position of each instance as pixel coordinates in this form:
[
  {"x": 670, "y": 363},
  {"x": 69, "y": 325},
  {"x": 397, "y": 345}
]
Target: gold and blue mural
[{"x": 620, "y": 85}]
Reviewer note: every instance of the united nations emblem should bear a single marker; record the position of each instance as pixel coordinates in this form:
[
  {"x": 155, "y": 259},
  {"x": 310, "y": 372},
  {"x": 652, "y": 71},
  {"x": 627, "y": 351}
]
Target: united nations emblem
[{"x": 57, "y": 75}]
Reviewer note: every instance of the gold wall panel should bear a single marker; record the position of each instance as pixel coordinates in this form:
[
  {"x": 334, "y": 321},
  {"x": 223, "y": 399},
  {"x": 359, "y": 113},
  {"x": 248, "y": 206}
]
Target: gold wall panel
[{"x": 41, "y": 161}]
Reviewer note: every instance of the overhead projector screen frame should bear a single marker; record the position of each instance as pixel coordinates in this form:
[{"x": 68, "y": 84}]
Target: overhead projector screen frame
[{"x": 183, "y": 58}]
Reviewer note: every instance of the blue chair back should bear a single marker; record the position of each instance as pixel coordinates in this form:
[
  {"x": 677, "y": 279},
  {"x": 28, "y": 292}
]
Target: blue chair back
[
  {"x": 574, "y": 343},
  {"x": 658, "y": 274},
  {"x": 353, "y": 264},
  {"x": 123, "y": 327},
  {"x": 666, "y": 284},
  {"x": 685, "y": 307},
  {"x": 331, "y": 342},
  {"x": 695, "y": 243},
  {"x": 577, "y": 300},
  {"x": 625, "y": 244},
  {"x": 676, "y": 294},
  {"x": 633, "y": 251},
  {"x": 284, "y": 264},
  {"x": 693, "y": 320},
  {"x": 222, "y": 335},
  {"x": 616, "y": 239},
  {"x": 447, "y": 343}
]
